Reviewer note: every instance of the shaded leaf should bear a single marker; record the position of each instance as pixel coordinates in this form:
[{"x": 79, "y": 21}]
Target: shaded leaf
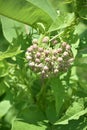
[
  {"x": 32, "y": 115},
  {"x": 59, "y": 93}
]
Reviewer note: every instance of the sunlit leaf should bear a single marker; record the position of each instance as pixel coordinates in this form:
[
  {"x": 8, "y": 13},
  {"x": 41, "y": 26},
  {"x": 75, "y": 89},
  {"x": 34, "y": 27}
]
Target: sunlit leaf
[
  {"x": 62, "y": 21},
  {"x": 27, "y": 11},
  {"x": 17, "y": 125}
]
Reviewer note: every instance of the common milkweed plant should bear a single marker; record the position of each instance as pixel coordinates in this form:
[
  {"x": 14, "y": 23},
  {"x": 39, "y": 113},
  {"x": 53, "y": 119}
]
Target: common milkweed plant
[{"x": 43, "y": 65}]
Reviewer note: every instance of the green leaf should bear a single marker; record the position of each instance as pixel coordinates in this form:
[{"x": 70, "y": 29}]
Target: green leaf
[
  {"x": 51, "y": 113},
  {"x": 18, "y": 125},
  {"x": 73, "y": 112},
  {"x": 81, "y": 8},
  {"x": 10, "y": 115},
  {"x": 59, "y": 93},
  {"x": 27, "y": 11},
  {"x": 12, "y": 29},
  {"x": 3, "y": 43},
  {"x": 32, "y": 115},
  {"x": 4, "y": 68},
  {"x": 11, "y": 51},
  {"x": 4, "y": 107},
  {"x": 45, "y": 6},
  {"x": 62, "y": 21},
  {"x": 2, "y": 88}
]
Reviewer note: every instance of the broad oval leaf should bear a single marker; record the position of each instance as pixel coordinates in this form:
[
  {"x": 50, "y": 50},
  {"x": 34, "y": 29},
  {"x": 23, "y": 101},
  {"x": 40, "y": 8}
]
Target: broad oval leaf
[{"x": 27, "y": 12}]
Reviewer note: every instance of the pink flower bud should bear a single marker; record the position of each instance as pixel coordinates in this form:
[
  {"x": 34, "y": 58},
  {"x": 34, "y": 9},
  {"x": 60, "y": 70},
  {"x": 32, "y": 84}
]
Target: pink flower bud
[
  {"x": 65, "y": 53},
  {"x": 30, "y": 49},
  {"x": 47, "y": 59},
  {"x": 60, "y": 59},
  {"x": 47, "y": 52},
  {"x": 45, "y": 39},
  {"x": 43, "y": 72},
  {"x": 54, "y": 42},
  {"x": 64, "y": 44},
  {"x": 68, "y": 47},
  {"x": 35, "y": 46},
  {"x": 56, "y": 71},
  {"x": 55, "y": 52},
  {"x": 59, "y": 50},
  {"x": 34, "y": 41},
  {"x": 38, "y": 54},
  {"x": 37, "y": 60},
  {"x": 31, "y": 64},
  {"x": 40, "y": 49},
  {"x": 28, "y": 57},
  {"x": 40, "y": 65},
  {"x": 53, "y": 58},
  {"x": 46, "y": 68}
]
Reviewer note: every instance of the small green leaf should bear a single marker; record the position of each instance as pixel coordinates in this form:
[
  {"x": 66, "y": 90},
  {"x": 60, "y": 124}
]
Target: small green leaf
[
  {"x": 4, "y": 107},
  {"x": 4, "y": 68},
  {"x": 12, "y": 51},
  {"x": 19, "y": 125}
]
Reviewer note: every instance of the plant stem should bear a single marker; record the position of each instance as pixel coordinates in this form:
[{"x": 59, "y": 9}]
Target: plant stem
[{"x": 41, "y": 97}]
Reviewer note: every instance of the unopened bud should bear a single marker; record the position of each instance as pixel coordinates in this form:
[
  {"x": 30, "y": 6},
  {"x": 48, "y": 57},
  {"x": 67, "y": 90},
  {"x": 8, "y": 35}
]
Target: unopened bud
[
  {"x": 38, "y": 54},
  {"x": 43, "y": 72},
  {"x": 60, "y": 59},
  {"x": 53, "y": 58},
  {"x": 35, "y": 46},
  {"x": 28, "y": 57},
  {"x": 68, "y": 47},
  {"x": 30, "y": 49},
  {"x": 45, "y": 68},
  {"x": 31, "y": 64},
  {"x": 47, "y": 59},
  {"x": 40, "y": 65},
  {"x": 64, "y": 44},
  {"x": 45, "y": 39},
  {"x": 37, "y": 60},
  {"x": 40, "y": 49},
  {"x": 59, "y": 50},
  {"x": 55, "y": 52},
  {"x": 34, "y": 41},
  {"x": 56, "y": 71},
  {"x": 54, "y": 42},
  {"x": 47, "y": 52},
  {"x": 65, "y": 53}
]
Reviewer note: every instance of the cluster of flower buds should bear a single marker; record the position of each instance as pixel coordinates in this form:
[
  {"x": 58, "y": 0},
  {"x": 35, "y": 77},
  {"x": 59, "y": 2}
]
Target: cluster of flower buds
[{"x": 47, "y": 61}]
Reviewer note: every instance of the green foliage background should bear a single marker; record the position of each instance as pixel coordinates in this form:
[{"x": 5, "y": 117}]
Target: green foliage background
[{"x": 26, "y": 103}]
